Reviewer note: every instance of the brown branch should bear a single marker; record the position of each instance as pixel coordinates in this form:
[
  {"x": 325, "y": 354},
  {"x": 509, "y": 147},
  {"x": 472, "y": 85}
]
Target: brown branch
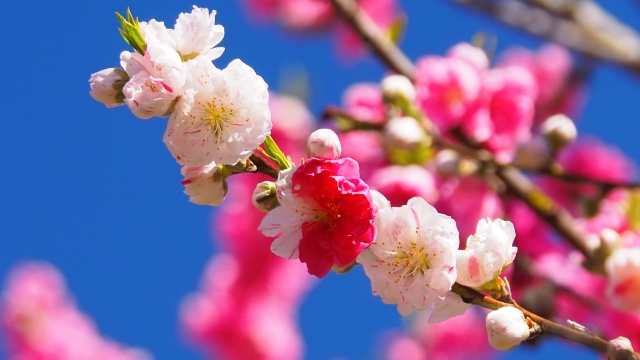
[
  {"x": 556, "y": 172},
  {"x": 471, "y": 296},
  {"x": 371, "y": 35},
  {"x": 263, "y": 166},
  {"x": 579, "y": 25}
]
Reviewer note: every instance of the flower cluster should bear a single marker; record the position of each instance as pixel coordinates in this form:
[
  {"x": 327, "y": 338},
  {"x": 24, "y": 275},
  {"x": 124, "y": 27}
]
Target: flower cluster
[
  {"x": 41, "y": 321},
  {"x": 375, "y": 195},
  {"x": 218, "y": 117}
]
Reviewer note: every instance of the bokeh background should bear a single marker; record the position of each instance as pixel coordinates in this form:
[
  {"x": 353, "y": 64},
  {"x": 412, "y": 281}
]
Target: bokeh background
[{"x": 95, "y": 192}]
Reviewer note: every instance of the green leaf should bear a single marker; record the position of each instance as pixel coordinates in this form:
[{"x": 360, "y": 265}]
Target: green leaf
[
  {"x": 274, "y": 153},
  {"x": 130, "y": 31}
]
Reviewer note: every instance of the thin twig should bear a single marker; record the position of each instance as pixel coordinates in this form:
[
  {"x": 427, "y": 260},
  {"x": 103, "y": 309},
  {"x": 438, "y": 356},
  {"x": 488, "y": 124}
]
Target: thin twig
[
  {"x": 579, "y": 25},
  {"x": 371, "y": 35},
  {"x": 549, "y": 327}
]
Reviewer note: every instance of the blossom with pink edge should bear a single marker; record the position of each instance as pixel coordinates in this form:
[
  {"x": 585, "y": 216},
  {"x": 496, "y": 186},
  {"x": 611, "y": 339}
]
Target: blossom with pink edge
[
  {"x": 205, "y": 185},
  {"x": 412, "y": 262},
  {"x": 194, "y": 35},
  {"x": 363, "y": 101},
  {"x": 326, "y": 214},
  {"x": 401, "y": 183},
  {"x": 106, "y": 86},
  {"x": 506, "y": 328},
  {"x": 506, "y": 115},
  {"x": 488, "y": 252},
  {"x": 157, "y": 80},
  {"x": 324, "y": 144},
  {"x": 623, "y": 271},
  {"x": 227, "y": 120},
  {"x": 447, "y": 89}
]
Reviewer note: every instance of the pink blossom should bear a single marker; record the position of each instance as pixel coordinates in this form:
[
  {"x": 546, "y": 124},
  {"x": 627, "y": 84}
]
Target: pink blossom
[
  {"x": 366, "y": 148},
  {"x": 441, "y": 341},
  {"x": 447, "y": 89},
  {"x": 292, "y": 124},
  {"x": 400, "y": 183},
  {"x": 592, "y": 159},
  {"x": 623, "y": 271},
  {"x": 363, "y": 101},
  {"x": 550, "y": 66},
  {"x": 326, "y": 214},
  {"x": 40, "y": 321},
  {"x": 382, "y": 13},
  {"x": 505, "y": 118},
  {"x": 468, "y": 200},
  {"x": 246, "y": 289},
  {"x": 474, "y": 55}
]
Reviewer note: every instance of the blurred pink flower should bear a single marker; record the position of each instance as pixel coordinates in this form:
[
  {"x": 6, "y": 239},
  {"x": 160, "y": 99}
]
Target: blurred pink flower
[
  {"x": 41, "y": 322},
  {"x": 400, "y": 183},
  {"x": 363, "y": 101}
]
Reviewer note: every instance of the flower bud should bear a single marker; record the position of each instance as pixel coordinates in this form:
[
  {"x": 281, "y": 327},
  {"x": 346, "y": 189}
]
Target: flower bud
[
  {"x": 404, "y": 133},
  {"x": 620, "y": 349},
  {"x": 398, "y": 86},
  {"x": 450, "y": 164},
  {"x": 533, "y": 154},
  {"x": 264, "y": 196},
  {"x": 205, "y": 185},
  {"x": 506, "y": 328},
  {"x": 559, "y": 131},
  {"x": 106, "y": 86},
  {"x": 324, "y": 144}
]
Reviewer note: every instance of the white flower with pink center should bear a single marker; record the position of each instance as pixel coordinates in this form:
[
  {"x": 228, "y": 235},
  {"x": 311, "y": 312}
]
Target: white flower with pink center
[
  {"x": 226, "y": 119},
  {"x": 157, "y": 80},
  {"x": 488, "y": 252},
  {"x": 623, "y": 271},
  {"x": 412, "y": 262},
  {"x": 194, "y": 35}
]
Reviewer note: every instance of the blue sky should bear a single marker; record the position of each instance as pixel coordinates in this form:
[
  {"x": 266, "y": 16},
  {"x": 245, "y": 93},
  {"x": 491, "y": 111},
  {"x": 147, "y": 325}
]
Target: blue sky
[{"x": 95, "y": 192}]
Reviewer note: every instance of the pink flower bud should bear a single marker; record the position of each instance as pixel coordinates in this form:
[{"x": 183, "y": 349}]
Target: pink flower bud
[
  {"x": 506, "y": 328},
  {"x": 106, "y": 86},
  {"x": 559, "y": 130},
  {"x": 398, "y": 86},
  {"x": 475, "y": 56},
  {"x": 324, "y": 144}
]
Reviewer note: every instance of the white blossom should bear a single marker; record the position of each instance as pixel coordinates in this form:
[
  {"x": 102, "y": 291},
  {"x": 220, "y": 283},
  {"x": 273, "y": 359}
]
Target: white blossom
[
  {"x": 225, "y": 121},
  {"x": 506, "y": 328},
  {"x": 488, "y": 252},
  {"x": 194, "y": 35},
  {"x": 205, "y": 185},
  {"x": 412, "y": 261}
]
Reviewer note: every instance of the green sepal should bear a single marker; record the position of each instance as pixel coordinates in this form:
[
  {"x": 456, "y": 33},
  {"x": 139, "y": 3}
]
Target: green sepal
[
  {"x": 273, "y": 152},
  {"x": 395, "y": 31},
  {"x": 131, "y": 33},
  {"x": 633, "y": 209}
]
